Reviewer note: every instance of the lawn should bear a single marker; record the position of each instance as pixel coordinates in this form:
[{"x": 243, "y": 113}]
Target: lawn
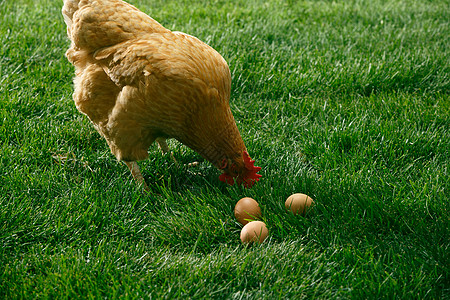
[{"x": 346, "y": 101}]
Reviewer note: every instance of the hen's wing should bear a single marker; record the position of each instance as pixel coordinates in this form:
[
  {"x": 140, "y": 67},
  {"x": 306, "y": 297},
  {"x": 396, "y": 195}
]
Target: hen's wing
[{"x": 176, "y": 57}]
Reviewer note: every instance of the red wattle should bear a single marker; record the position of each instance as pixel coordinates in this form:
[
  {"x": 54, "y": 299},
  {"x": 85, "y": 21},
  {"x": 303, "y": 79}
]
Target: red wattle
[{"x": 226, "y": 178}]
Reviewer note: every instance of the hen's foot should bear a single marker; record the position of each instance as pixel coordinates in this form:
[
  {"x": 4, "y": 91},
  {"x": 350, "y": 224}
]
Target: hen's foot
[{"x": 193, "y": 164}]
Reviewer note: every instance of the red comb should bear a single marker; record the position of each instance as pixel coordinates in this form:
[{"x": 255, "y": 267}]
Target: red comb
[
  {"x": 252, "y": 176},
  {"x": 248, "y": 178}
]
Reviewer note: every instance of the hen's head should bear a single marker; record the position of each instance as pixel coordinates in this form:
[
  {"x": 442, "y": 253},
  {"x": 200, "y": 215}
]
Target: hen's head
[{"x": 241, "y": 171}]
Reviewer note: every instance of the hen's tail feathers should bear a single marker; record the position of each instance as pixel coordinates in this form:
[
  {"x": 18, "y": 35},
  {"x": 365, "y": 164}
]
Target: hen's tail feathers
[
  {"x": 69, "y": 8},
  {"x": 96, "y": 24}
]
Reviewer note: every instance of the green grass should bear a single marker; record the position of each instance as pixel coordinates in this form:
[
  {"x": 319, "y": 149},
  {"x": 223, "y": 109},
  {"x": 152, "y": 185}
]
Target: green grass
[{"x": 346, "y": 101}]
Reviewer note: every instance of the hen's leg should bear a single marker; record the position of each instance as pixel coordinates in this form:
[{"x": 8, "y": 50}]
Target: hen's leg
[
  {"x": 165, "y": 148},
  {"x": 137, "y": 175},
  {"x": 163, "y": 145}
]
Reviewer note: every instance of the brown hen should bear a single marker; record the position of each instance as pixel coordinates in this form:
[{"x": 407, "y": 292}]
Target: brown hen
[{"x": 139, "y": 82}]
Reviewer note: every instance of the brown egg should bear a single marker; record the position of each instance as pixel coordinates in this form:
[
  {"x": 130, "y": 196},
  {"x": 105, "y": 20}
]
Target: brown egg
[
  {"x": 247, "y": 209},
  {"x": 299, "y": 203},
  {"x": 255, "y": 231}
]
